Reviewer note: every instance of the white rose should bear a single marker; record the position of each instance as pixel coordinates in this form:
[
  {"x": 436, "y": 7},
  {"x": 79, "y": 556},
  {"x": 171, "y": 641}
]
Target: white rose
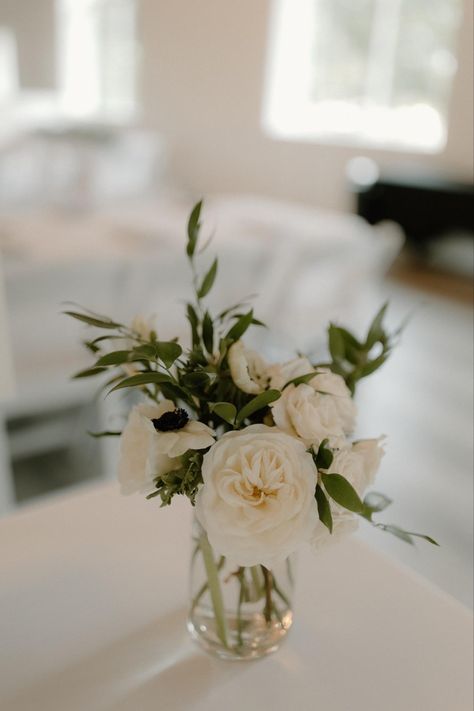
[
  {"x": 320, "y": 409},
  {"x": 247, "y": 368},
  {"x": 327, "y": 382},
  {"x": 358, "y": 464},
  {"x": 257, "y": 501},
  {"x": 281, "y": 373},
  {"x": 175, "y": 442},
  {"x": 139, "y": 464}
]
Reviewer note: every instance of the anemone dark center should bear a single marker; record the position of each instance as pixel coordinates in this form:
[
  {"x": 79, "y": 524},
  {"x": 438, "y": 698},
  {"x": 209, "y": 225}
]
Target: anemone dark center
[{"x": 173, "y": 420}]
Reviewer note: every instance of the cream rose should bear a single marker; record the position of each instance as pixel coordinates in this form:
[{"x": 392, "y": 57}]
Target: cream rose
[
  {"x": 321, "y": 409},
  {"x": 257, "y": 501},
  {"x": 281, "y": 373},
  {"x": 247, "y": 368},
  {"x": 139, "y": 463},
  {"x": 358, "y": 464}
]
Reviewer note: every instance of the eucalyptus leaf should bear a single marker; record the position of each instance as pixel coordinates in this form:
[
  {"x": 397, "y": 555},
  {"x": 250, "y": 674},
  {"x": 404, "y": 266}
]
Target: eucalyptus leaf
[
  {"x": 225, "y": 410},
  {"x": 257, "y": 403},
  {"x": 324, "y": 509},
  {"x": 342, "y": 492},
  {"x": 208, "y": 280}
]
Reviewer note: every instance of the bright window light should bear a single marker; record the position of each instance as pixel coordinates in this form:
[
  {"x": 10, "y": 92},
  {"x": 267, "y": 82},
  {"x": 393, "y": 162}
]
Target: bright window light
[
  {"x": 371, "y": 72},
  {"x": 97, "y": 58}
]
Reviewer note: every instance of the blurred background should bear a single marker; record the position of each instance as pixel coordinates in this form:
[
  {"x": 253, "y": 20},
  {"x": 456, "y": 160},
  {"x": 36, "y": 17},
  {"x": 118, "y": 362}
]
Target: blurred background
[{"x": 333, "y": 144}]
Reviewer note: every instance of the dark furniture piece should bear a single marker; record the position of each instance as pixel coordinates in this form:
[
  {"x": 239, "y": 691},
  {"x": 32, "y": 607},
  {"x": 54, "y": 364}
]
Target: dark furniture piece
[{"x": 425, "y": 207}]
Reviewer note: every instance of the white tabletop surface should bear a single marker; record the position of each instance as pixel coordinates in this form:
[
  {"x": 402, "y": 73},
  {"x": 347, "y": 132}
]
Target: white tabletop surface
[{"x": 93, "y": 594}]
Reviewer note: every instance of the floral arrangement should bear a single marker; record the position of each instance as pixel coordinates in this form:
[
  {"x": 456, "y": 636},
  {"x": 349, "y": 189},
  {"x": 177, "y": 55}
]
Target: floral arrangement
[{"x": 263, "y": 451}]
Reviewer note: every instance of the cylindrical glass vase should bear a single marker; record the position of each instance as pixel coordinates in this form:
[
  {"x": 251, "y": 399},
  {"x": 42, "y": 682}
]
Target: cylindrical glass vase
[{"x": 237, "y": 612}]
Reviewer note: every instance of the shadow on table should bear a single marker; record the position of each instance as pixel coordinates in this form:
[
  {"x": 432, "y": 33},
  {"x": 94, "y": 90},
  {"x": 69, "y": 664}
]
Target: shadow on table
[{"x": 156, "y": 667}]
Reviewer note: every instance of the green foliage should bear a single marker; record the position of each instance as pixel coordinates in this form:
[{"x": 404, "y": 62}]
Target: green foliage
[
  {"x": 93, "y": 320},
  {"x": 184, "y": 481},
  {"x": 342, "y": 492},
  {"x": 324, "y": 457},
  {"x": 324, "y": 509},
  {"x": 258, "y": 403},
  {"x": 353, "y": 359},
  {"x": 193, "y": 229},
  {"x": 225, "y": 410},
  {"x": 208, "y": 280},
  {"x": 240, "y": 327}
]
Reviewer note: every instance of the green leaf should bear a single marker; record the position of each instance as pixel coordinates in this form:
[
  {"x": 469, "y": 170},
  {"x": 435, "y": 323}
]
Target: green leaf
[
  {"x": 239, "y": 328},
  {"x": 336, "y": 343},
  {"x": 373, "y": 365},
  {"x": 399, "y": 533},
  {"x": 193, "y": 229},
  {"x": 301, "y": 379},
  {"x": 208, "y": 280},
  {"x": 342, "y": 492},
  {"x": 376, "y": 501},
  {"x": 146, "y": 351},
  {"x": 89, "y": 372},
  {"x": 198, "y": 379},
  {"x": 425, "y": 538},
  {"x": 324, "y": 457},
  {"x": 350, "y": 339},
  {"x": 324, "y": 509},
  {"x": 168, "y": 351},
  {"x": 114, "y": 358},
  {"x": 142, "y": 379},
  {"x": 92, "y": 320},
  {"x": 376, "y": 332},
  {"x": 257, "y": 403},
  {"x": 194, "y": 322},
  {"x": 208, "y": 332},
  {"x": 255, "y": 321},
  {"x": 225, "y": 410}
]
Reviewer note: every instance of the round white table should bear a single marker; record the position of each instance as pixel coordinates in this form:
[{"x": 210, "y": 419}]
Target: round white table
[{"x": 93, "y": 595}]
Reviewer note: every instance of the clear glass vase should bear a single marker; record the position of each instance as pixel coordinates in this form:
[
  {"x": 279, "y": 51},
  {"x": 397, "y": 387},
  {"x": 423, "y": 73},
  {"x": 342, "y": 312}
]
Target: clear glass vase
[{"x": 237, "y": 612}]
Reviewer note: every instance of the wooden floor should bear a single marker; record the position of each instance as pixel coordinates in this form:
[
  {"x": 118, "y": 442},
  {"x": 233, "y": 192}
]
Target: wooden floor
[{"x": 423, "y": 400}]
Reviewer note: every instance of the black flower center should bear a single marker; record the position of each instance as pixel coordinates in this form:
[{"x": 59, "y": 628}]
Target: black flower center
[{"x": 173, "y": 420}]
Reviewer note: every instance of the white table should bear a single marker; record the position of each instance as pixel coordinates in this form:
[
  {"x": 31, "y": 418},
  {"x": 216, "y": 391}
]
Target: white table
[{"x": 93, "y": 593}]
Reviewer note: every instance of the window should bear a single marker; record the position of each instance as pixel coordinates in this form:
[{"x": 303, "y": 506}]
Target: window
[
  {"x": 375, "y": 72},
  {"x": 97, "y": 58}
]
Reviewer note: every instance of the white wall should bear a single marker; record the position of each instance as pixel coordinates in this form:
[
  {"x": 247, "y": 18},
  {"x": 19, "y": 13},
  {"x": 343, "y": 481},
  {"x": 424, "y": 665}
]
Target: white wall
[
  {"x": 33, "y": 22},
  {"x": 203, "y": 78}
]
